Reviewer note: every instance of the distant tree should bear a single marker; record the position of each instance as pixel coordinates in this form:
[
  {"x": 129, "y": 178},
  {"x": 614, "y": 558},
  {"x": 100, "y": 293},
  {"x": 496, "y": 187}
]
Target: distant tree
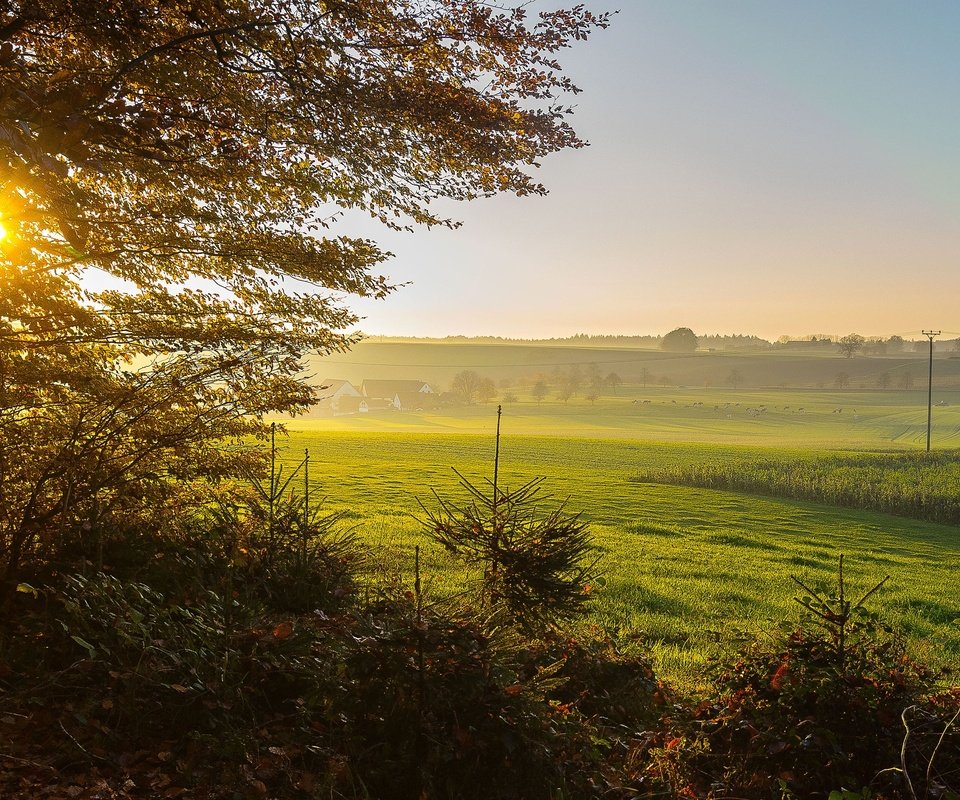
[
  {"x": 613, "y": 380},
  {"x": 592, "y": 396},
  {"x": 539, "y": 391},
  {"x": 679, "y": 340},
  {"x": 850, "y": 344},
  {"x": 466, "y": 385},
  {"x": 883, "y": 380},
  {"x": 895, "y": 344},
  {"x": 735, "y": 379},
  {"x": 906, "y": 381},
  {"x": 594, "y": 375},
  {"x": 487, "y": 390},
  {"x": 509, "y": 397},
  {"x": 563, "y": 391},
  {"x": 646, "y": 376},
  {"x": 575, "y": 379},
  {"x": 841, "y": 380},
  {"x": 921, "y": 346}
]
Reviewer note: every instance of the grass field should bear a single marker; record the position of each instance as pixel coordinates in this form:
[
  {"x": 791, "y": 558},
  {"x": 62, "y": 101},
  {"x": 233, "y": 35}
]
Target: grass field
[
  {"x": 798, "y": 418},
  {"x": 686, "y": 568}
]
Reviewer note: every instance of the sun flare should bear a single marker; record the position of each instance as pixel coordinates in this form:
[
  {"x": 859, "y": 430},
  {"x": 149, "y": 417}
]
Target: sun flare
[{"x": 3, "y": 232}]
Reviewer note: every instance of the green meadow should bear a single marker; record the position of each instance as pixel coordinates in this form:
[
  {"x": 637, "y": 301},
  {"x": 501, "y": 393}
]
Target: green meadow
[
  {"x": 861, "y": 420},
  {"x": 687, "y": 569}
]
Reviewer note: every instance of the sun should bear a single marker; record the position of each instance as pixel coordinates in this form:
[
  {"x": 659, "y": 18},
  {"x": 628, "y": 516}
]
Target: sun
[{"x": 3, "y": 232}]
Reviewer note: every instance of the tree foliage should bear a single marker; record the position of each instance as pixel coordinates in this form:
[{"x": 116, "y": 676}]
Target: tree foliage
[
  {"x": 198, "y": 156},
  {"x": 540, "y": 567},
  {"x": 735, "y": 379},
  {"x": 850, "y": 344},
  {"x": 471, "y": 387},
  {"x": 679, "y": 340}
]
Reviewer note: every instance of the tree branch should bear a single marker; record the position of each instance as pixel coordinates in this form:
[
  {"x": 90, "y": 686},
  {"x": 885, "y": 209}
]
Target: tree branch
[{"x": 174, "y": 43}]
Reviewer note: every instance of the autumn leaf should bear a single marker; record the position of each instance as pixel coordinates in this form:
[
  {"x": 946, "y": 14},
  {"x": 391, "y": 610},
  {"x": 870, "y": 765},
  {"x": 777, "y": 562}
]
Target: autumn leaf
[{"x": 283, "y": 631}]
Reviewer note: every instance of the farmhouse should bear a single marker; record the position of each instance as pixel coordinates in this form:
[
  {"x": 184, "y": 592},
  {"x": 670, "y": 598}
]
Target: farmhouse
[
  {"x": 337, "y": 395},
  {"x": 414, "y": 401},
  {"x": 388, "y": 390}
]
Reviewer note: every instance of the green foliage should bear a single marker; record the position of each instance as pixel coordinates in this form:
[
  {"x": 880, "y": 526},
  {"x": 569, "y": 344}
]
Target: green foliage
[
  {"x": 540, "y": 567},
  {"x": 818, "y": 708},
  {"x": 919, "y": 485}
]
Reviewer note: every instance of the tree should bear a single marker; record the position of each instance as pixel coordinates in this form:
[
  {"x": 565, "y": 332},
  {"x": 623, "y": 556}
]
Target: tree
[
  {"x": 679, "y": 340},
  {"x": 895, "y": 344},
  {"x": 487, "y": 390},
  {"x": 646, "y": 376},
  {"x": 199, "y": 153},
  {"x": 467, "y": 386},
  {"x": 906, "y": 381},
  {"x": 841, "y": 380},
  {"x": 850, "y": 344},
  {"x": 735, "y": 379},
  {"x": 539, "y": 391},
  {"x": 594, "y": 377},
  {"x": 614, "y": 381},
  {"x": 883, "y": 380}
]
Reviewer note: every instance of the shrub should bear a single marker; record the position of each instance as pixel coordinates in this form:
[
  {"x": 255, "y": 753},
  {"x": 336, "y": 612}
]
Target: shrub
[
  {"x": 537, "y": 567},
  {"x": 817, "y": 709}
]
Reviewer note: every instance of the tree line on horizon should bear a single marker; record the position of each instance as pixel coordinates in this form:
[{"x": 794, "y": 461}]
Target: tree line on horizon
[{"x": 867, "y": 345}]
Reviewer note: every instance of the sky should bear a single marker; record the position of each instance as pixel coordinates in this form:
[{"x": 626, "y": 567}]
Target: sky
[{"x": 755, "y": 166}]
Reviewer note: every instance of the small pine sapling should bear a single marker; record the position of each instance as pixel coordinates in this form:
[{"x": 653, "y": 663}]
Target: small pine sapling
[{"x": 540, "y": 568}]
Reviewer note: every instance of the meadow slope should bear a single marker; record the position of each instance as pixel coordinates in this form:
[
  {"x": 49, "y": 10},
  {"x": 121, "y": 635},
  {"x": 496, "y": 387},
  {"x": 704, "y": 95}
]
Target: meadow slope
[{"x": 686, "y": 568}]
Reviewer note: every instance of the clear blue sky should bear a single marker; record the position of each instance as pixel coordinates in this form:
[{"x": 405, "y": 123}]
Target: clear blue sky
[{"x": 755, "y": 166}]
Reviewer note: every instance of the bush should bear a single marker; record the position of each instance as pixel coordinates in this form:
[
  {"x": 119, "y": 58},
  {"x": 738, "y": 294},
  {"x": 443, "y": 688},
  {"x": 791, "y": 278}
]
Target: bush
[
  {"x": 539, "y": 568},
  {"x": 817, "y": 709}
]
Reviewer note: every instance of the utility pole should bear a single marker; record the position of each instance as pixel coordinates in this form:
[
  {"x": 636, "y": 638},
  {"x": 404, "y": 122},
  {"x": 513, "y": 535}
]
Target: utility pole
[{"x": 930, "y": 335}]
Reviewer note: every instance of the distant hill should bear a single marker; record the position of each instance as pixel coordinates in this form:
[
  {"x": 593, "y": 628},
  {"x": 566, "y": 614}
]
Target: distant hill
[{"x": 506, "y": 362}]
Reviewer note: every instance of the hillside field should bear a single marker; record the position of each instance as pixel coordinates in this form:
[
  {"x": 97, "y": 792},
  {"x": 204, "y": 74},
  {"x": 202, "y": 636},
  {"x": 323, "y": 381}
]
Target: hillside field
[
  {"x": 515, "y": 362},
  {"x": 687, "y": 569}
]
